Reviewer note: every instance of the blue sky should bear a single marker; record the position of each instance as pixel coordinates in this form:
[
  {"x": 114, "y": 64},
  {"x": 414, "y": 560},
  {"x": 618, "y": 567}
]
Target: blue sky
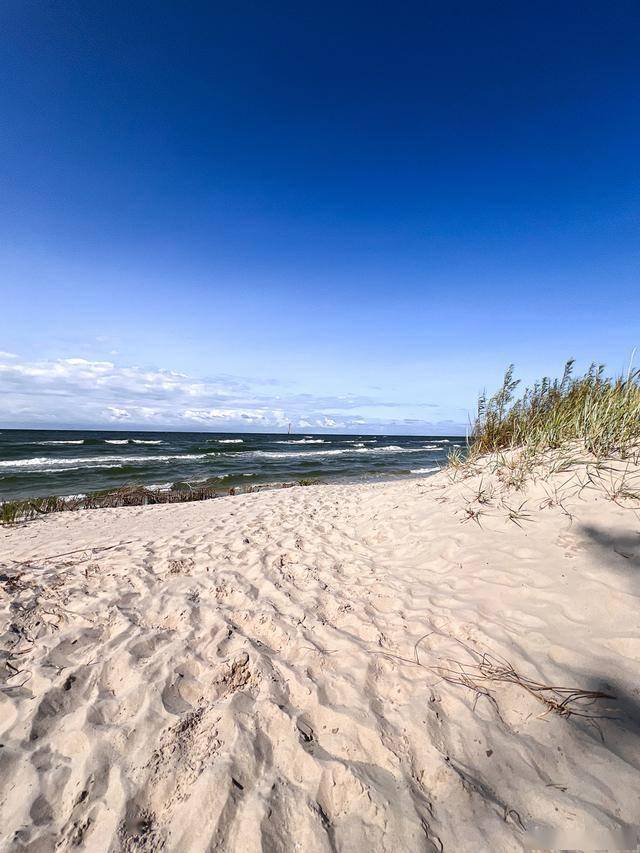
[{"x": 349, "y": 216}]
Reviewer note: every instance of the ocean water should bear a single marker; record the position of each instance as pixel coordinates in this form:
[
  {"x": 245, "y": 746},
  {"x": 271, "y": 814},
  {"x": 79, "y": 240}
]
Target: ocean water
[{"x": 54, "y": 462}]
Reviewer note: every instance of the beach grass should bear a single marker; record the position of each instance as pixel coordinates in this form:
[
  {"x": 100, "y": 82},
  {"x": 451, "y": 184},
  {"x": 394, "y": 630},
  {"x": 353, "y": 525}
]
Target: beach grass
[
  {"x": 26, "y": 509},
  {"x": 130, "y": 495},
  {"x": 594, "y": 414}
]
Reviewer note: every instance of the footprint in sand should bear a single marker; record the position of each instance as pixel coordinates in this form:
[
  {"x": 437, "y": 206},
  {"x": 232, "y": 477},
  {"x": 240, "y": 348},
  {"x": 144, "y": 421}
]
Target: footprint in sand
[{"x": 571, "y": 546}]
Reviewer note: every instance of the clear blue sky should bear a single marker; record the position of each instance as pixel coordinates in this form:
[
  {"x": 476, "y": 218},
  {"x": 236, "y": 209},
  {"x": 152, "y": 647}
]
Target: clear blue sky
[{"x": 347, "y": 215}]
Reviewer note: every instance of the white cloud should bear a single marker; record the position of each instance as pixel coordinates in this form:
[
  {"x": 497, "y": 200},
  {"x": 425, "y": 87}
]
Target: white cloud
[
  {"x": 116, "y": 414},
  {"x": 263, "y": 417},
  {"x": 80, "y": 392}
]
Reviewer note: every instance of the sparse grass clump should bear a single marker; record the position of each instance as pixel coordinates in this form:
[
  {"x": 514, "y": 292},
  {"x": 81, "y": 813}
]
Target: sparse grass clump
[
  {"x": 19, "y": 510},
  {"x": 29, "y": 508},
  {"x": 26, "y": 509},
  {"x": 597, "y": 413}
]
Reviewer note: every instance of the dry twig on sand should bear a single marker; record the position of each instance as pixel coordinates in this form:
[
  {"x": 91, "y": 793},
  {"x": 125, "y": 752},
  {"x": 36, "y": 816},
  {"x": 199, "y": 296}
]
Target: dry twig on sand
[{"x": 487, "y": 668}]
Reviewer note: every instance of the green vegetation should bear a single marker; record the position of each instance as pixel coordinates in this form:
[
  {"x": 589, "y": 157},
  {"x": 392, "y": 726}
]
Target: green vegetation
[
  {"x": 598, "y": 414},
  {"x": 24, "y": 510},
  {"x": 12, "y": 511}
]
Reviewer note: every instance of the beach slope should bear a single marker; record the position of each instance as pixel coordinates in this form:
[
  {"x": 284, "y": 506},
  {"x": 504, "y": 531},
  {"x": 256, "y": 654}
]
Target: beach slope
[{"x": 339, "y": 667}]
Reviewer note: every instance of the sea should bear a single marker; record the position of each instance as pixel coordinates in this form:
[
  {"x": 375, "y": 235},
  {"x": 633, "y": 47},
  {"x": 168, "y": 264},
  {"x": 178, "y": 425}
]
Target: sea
[{"x": 36, "y": 463}]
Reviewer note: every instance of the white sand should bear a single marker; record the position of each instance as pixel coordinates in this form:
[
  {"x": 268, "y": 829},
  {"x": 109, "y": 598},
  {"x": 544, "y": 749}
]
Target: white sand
[{"x": 241, "y": 674}]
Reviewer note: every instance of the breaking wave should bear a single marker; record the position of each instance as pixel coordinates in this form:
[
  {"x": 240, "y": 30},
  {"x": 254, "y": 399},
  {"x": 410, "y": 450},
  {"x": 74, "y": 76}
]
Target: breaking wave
[
  {"x": 303, "y": 441},
  {"x": 52, "y": 463}
]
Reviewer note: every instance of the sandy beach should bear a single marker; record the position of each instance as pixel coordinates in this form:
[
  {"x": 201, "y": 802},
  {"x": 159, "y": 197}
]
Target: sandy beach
[
  {"x": 337, "y": 667},
  {"x": 319, "y": 427}
]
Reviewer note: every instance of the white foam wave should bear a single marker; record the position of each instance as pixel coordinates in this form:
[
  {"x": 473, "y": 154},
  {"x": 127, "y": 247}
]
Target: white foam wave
[
  {"x": 229, "y": 441},
  {"x": 96, "y": 461},
  {"x": 425, "y": 470},
  {"x": 276, "y": 454},
  {"x": 133, "y": 441},
  {"x": 303, "y": 441},
  {"x": 75, "y": 441},
  {"x": 75, "y": 468}
]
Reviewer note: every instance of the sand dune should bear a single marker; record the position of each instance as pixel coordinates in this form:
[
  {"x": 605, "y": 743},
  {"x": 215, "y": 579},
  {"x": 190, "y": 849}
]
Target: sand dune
[{"x": 298, "y": 670}]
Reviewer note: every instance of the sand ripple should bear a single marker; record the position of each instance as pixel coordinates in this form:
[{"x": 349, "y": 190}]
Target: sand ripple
[{"x": 260, "y": 674}]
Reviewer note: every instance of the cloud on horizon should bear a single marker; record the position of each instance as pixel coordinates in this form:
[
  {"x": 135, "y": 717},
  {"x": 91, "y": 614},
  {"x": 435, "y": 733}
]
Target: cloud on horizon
[{"x": 78, "y": 392}]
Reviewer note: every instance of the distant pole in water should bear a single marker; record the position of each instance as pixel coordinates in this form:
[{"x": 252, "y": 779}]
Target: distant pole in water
[{"x": 289, "y": 433}]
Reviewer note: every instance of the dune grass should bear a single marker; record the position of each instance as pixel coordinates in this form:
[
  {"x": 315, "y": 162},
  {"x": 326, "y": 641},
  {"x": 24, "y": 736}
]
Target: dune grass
[
  {"x": 131, "y": 495},
  {"x": 26, "y": 509},
  {"x": 594, "y": 412}
]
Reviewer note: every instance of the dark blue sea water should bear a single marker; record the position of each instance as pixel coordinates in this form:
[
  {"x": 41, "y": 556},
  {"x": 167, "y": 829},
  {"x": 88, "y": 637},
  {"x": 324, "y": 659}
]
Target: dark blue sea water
[{"x": 54, "y": 462}]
